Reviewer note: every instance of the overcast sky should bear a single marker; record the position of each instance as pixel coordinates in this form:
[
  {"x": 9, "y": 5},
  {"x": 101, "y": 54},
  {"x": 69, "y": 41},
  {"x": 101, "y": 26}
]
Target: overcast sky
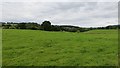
[
  {"x": 60, "y": 0},
  {"x": 84, "y": 14}
]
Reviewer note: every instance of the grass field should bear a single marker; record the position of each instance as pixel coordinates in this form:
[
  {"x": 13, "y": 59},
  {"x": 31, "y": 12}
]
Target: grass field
[
  {"x": 0, "y": 47},
  {"x": 42, "y": 48}
]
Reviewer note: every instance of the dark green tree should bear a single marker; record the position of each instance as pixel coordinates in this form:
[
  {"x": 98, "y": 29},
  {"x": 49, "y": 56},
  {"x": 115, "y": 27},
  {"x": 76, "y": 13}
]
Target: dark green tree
[
  {"x": 21, "y": 26},
  {"x": 33, "y": 26},
  {"x": 46, "y": 25},
  {"x": 55, "y": 28}
]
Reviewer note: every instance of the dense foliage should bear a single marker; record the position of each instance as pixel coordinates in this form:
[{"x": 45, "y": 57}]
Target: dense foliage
[{"x": 46, "y": 25}]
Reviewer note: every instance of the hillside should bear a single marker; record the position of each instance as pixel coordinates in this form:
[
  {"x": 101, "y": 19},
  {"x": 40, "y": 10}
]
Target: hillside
[{"x": 42, "y": 48}]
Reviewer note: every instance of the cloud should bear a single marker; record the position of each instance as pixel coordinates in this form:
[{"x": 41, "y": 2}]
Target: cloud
[
  {"x": 85, "y": 14},
  {"x": 60, "y": 0}
]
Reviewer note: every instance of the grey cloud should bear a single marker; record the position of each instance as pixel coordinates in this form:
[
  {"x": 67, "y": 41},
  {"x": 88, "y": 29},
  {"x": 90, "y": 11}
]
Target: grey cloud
[
  {"x": 75, "y": 13},
  {"x": 60, "y": 0}
]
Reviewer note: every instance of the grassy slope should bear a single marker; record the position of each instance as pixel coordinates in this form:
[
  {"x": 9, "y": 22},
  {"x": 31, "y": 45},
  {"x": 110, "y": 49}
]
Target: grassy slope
[
  {"x": 0, "y": 47},
  {"x": 41, "y": 48}
]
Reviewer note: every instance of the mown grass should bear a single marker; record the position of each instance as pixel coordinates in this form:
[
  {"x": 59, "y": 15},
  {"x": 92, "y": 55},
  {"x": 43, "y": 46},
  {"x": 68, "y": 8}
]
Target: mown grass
[{"x": 42, "y": 48}]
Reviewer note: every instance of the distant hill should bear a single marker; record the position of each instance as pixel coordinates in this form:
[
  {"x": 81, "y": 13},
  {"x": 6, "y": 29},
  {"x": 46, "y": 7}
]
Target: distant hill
[{"x": 113, "y": 27}]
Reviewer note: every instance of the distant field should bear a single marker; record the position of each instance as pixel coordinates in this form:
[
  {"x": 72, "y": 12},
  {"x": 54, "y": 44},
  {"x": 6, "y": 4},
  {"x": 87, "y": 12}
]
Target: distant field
[{"x": 42, "y": 48}]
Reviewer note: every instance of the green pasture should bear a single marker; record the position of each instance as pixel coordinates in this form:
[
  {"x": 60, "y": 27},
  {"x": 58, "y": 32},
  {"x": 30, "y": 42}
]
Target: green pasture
[{"x": 44, "y": 48}]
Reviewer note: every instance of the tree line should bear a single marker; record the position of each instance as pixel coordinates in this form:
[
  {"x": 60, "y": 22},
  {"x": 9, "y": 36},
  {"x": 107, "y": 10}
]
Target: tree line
[{"x": 46, "y": 26}]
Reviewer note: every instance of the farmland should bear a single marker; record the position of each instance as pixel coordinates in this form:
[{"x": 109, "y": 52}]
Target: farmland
[{"x": 44, "y": 48}]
